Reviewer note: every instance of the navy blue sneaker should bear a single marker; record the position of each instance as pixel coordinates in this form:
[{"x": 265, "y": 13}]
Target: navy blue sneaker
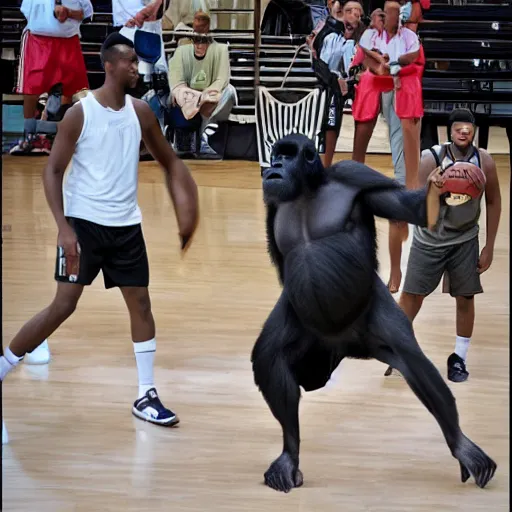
[
  {"x": 149, "y": 408},
  {"x": 457, "y": 369}
]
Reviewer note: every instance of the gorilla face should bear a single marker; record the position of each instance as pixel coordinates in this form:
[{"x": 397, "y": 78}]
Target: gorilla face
[{"x": 295, "y": 168}]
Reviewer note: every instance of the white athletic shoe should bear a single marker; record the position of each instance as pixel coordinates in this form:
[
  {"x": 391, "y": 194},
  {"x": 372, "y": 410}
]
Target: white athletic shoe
[
  {"x": 5, "y": 435},
  {"x": 41, "y": 355}
]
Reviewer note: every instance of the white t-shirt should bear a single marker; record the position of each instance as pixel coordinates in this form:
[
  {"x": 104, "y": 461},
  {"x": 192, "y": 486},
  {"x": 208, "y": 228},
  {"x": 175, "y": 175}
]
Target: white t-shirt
[
  {"x": 405, "y": 41},
  {"x": 125, "y": 10},
  {"x": 42, "y": 22}
]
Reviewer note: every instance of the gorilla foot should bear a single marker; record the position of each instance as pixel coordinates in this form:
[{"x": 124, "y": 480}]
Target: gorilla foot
[
  {"x": 283, "y": 474},
  {"x": 473, "y": 461}
]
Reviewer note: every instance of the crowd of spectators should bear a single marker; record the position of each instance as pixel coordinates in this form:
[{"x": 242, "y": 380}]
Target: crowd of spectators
[
  {"x": 191, "y": 90},
  {"x": 191, "y": 93}
]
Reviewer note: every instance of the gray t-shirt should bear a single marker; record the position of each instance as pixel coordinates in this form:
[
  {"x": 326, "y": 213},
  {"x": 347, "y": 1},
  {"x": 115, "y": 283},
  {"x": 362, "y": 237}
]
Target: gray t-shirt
[{"x": 456, "y": 224}]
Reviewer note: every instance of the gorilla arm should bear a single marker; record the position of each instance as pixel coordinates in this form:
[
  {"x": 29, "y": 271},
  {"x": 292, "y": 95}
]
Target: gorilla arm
[
  {"x": 387, "y": 198},
  {"x": 419, "y": 207}
]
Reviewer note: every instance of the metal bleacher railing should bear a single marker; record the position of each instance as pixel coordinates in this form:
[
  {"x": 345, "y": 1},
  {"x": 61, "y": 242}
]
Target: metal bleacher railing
[{"x": 274, "y": 57}]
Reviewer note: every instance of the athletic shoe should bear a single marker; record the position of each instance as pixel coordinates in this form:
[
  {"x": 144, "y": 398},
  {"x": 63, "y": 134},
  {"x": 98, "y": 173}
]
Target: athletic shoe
[
  {"x": 22, "y": 148},
  {"x": 149, "y": 408},
  {"x": 32, "y": 145},
  {"x": 40, "y": 355},
  {"x": 457, "y": 369},
  {"x": 42, "y": 144}
]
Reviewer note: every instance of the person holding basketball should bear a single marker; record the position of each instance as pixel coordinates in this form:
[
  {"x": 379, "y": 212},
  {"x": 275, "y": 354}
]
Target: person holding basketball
[{"x": 452, "y": 248}]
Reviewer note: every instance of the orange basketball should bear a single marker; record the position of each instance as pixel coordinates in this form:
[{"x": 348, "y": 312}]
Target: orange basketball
[{"x": 463, "y": 181}]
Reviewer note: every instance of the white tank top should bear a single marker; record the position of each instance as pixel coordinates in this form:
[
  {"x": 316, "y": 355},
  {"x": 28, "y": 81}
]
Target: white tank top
[{"x": 102, "y": 183}]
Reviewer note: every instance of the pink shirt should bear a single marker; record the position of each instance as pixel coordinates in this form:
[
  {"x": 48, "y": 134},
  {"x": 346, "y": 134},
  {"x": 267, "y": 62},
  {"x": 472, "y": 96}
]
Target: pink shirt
[{"x": 405, "y": 41}]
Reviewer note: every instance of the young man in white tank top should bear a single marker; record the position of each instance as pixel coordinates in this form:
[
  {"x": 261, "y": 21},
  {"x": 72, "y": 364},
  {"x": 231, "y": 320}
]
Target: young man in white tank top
[
  {"x": 100, "y": 225},
  {"x": 453, "y": 248}
]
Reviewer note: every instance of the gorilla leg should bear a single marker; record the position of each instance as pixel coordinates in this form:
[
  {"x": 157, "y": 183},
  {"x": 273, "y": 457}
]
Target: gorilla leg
[
  {"x": 392, "y": 341},
  {"x": 271, "y": 359}
]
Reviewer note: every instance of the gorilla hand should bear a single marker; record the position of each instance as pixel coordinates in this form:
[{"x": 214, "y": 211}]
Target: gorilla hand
[{"x": 283, "y": 474}]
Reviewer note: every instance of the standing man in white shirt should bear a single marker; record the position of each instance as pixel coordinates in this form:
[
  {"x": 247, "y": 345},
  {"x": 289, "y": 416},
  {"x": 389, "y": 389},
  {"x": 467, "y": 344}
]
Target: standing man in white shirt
[
  {"x": 99, "y": 223},
  {"x": 50, "y": 53},
  {"x": 392, "y": 85}
]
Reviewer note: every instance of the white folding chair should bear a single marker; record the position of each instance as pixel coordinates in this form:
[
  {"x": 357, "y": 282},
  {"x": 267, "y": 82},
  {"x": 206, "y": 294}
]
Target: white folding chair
[{"x": 281, "y": 111}]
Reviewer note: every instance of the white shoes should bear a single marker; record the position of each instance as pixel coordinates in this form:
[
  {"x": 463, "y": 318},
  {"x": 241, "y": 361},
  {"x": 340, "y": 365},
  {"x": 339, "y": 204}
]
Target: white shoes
[
  {"x": 5, "y": 435},
  {"x": 41, "y": 355}
]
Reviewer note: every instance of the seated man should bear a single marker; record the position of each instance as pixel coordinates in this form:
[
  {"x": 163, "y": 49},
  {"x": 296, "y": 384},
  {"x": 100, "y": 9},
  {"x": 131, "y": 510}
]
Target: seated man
[{"x": 199, "y": 75}]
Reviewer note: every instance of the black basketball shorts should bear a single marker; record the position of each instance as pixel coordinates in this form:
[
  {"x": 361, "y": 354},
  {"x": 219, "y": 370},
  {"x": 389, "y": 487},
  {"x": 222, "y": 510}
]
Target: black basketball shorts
[{"x": 119, "y": 252}]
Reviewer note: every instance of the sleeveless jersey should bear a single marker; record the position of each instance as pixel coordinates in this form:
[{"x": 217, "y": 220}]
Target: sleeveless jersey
[
  {"x": 102, "y": 183},
  {"x": 456, "y": 224}
]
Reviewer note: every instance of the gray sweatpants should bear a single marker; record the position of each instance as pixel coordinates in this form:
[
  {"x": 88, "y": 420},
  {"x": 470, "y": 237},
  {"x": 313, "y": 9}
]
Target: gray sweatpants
[{"x": 396, "y": 140}]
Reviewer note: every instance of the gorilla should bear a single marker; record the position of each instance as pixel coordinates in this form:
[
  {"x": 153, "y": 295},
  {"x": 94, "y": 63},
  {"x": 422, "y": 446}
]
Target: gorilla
[{"x": 322, "y": 240}]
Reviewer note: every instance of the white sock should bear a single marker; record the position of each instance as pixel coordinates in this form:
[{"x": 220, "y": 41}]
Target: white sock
[
  {"x": 145, "y": 356},
  {"x": 462, "y": 347},
  {"x": 8, "y": 362}
]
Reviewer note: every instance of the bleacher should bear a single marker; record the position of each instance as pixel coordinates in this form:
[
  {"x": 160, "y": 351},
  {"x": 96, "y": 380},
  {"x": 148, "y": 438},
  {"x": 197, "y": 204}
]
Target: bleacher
[
  {"x": 275, "y": 53},
  {"x": 469, "y": 63},
  {"x": 275, "y": 56},
  {"x": 467, "y": 47}
]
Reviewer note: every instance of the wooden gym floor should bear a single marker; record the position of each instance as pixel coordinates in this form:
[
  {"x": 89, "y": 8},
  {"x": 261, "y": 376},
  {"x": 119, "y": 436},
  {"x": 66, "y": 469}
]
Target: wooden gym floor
[{"x": 367, "y": 442}]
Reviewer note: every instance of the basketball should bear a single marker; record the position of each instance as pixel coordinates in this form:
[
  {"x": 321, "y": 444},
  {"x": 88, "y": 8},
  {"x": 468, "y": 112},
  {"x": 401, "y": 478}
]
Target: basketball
[{"x": 463, "y": 181}]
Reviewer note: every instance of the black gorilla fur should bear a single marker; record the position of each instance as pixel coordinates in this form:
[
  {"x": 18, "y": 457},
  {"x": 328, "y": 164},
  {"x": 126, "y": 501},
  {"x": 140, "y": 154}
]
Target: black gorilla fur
[{"x": 322, "y": 239}]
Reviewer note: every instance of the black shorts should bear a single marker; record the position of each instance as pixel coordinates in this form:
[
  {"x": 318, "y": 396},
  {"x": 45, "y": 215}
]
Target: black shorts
[{"x": 120, "y": 252}]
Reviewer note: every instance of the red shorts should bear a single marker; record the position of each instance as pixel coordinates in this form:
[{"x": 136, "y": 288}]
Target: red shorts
[
  {"x": 408, "y": 100},
  {"x": 46, "y": 61}
]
